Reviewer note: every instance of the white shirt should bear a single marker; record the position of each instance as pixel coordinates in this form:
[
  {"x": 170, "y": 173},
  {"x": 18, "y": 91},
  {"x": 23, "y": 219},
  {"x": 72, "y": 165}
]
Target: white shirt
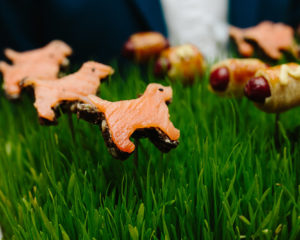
[{"x": 200, "y": 22}]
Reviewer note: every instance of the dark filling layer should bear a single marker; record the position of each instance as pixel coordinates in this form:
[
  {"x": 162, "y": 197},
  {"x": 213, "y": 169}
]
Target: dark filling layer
[{"x": 62, "y": 107}]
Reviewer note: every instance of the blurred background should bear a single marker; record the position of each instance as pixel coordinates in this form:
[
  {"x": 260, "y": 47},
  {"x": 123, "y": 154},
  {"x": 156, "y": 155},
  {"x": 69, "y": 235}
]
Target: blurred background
[{"x": 97, "y": 29}]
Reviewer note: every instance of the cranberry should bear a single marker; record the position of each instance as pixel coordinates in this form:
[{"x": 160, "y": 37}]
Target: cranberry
[
  {"x": 162, "y": 65},
  {"x": 257, "y": 89},
  {"x": 219, "y": 79}
]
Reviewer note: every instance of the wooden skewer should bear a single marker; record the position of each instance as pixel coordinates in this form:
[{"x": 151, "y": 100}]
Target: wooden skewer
[
  {"x": 136, "y": 152},
  {"x": 276, "y": 132},
  {"x": 1, "y": 236},
  {"x": 71, "y": 125}
]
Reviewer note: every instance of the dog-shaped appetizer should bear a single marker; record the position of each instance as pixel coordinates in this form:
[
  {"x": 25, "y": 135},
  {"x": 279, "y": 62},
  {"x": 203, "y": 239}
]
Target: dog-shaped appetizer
[
  {"x": 51, "y": 93},
  {"x": 271, "y": 38},
  {"x": 146, "y": 116},
  {"x": 43, "y": 63}
]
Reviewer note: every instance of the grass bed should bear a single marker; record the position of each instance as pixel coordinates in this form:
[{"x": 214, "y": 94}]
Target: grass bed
[{"x": 226, "y": 179}]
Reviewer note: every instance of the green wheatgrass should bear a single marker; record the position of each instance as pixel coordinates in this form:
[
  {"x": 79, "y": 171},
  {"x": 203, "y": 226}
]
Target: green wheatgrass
[{"x": 225, "y": 180}]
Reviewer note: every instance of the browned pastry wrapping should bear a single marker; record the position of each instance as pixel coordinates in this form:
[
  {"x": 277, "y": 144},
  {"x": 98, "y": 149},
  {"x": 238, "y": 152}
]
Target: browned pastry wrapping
[
  {"x": 182, "y": 62},
  {"x": 144, "y": 46},
  {"x": 283, "y": 82},
  {"x": 229, "y": 77}
]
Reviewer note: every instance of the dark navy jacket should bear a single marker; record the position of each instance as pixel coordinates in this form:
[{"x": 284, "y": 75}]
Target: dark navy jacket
[
  {"x": 95, "y": 29},
  {"x": 98, "y": 28},
  {"x": 249, "y": 13}
]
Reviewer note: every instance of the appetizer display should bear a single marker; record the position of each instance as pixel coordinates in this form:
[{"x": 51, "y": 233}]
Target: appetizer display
[
  {"x": 182, "y": 62},
  {"x": 271, "y": 38},
  {"x": 144, "y": 46},
  {"x": 275, "y": 89},
  {"x": 146, "y": 116},
  {"x": 51, "y": 93},
  {"x": 229, "y": 77},
  {"x": 40, "y": 63}
]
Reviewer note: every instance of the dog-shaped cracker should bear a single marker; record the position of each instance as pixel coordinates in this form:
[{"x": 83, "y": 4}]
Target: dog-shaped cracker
[
  {"x": 271, "y": 38},
  {"x": 146, "y": 116},
  {"x": 51, "y": 93},
  {"x": 41, "y": 63}
]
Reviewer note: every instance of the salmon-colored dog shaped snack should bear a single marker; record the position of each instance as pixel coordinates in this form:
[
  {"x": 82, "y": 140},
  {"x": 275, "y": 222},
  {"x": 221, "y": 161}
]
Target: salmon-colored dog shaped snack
[
  {"x": 51, "y": 93},
  {"x": 43, "y": 63},
  {"x": 146, "y": 116},
  {"x": 271, "y": 37}
]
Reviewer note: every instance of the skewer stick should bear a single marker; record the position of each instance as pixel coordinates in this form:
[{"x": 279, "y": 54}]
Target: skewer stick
[
  {"x": 276, "y": 132},
  {"x": 71, "y": 125},
  {"x": 136, "y": 153},
  {"x": 161, "y": 162}
]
